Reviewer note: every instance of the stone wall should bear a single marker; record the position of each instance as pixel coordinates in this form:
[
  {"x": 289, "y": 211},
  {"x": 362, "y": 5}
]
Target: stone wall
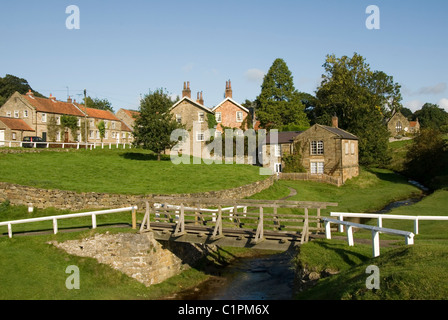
[
  {"x": 139, "y": 256},
  {"x": 60, "y": 199}
]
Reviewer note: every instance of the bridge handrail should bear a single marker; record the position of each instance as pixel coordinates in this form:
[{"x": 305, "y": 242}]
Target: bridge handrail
[
  {"x": 68, "y": 216},
  {"x": 380, "y": 218},
  {"x": 409, "y": 236}
]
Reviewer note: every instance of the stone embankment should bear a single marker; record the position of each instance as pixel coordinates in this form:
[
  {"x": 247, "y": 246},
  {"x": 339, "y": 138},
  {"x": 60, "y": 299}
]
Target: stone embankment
[
  {"x": 139, "y": 256},
  {"x": 75, "y": 201}
]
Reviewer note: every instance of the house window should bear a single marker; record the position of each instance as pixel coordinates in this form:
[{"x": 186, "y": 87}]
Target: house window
[
  {"x": 201, "y": 117},
  {"x": 239, "y": 116},
  {"x": 16, "y": 114},
  {"x": 44, "y": 117},
  {"x": 8, "y": 114},
  {"x": 200, "y": 136},
  {"x": 346, "y": 148},
  {"x": 113, "y": 125},
  {"x": 277, "y": 167},
  {"x": 179, "y": 118},
  {"x": 58, "y": 120},
  {"x": 317, "y": 168},
  {"x": 352, "y": 145},
  {"x": 218, "y": 117},
  {"x": 278, "y": 150},
  {"x": 58, "y": 136},
  {"x": 398, "y": 126},
  {"x": 25, "y": 113},
  {"x": 91, "y": 134},
  {"x": 79, "y": 122},
  {"x": 317, "y": 147},
  {"x": 14, "y": 136},
  {"x": 97, "y": 134}
]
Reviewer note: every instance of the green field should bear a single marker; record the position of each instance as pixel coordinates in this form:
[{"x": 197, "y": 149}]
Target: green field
[
  {"x": 32, "y": 269},
  {"x": 120, "y": 171}
]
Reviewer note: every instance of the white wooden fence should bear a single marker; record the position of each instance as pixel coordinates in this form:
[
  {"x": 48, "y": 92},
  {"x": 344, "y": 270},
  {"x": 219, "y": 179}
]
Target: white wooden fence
[
  {"x": 55, "y": 219},
  {"x": 409, "y": 236},
  {"x": 77, "y": 145},
  {"x": 380, "y": 218}
]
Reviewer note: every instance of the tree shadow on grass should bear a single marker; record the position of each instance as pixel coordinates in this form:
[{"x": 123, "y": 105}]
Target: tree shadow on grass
[
  {"x": 346, "y": 255},
  {"x": 144, "y": 156}
]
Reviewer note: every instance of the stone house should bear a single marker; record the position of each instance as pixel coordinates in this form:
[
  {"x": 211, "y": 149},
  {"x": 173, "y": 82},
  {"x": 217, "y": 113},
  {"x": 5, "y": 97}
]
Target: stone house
[
  {"x": 275, "y": 149},
  {"x": 229, "y": 113},
  {"x": 324, "y": 150},
  {"x": 44, "y": 117},
  {"x": 194, "y": 116},
  {"x": 398, "y": 124},
  {"x": 12, "y": 129},
  {"x": 127, "y": 117}
]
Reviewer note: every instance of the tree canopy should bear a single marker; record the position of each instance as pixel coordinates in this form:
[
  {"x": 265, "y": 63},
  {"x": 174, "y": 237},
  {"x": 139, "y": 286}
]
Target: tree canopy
[
  {"x": 10, "y": 84},
  {"x": 361, "y": 99},
  {"x": 154, "y": 125},
  {"x": 279, "y": 103},
  {"x": 96, "y": 103},
  {"x": 431, "y": 116}
]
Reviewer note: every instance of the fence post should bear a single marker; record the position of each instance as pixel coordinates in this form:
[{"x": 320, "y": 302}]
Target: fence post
[
  {"x": 380, "y": 221},
  {"x": 350, "y": 236},
  {"x": 416, "y": 225},
  {"x": 93, "y": 221},
  {"x": 341, "y": 227},
  {"x": 9, "y": 230},
  {"x": 376, "y": 243},
  {"x": 55, "y": 226},
  {"x": 134, "y": 218},
  {"x": 217, "y": 232},
  {"x": 327, "y": 225}
]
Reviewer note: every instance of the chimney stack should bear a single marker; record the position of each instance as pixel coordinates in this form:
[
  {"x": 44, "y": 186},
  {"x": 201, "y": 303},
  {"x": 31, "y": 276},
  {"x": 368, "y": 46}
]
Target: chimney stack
[
  {"x": 334, "y": 121},
  {"x": 228, "y": 93},
  {"x": 30, "y": 93},
  {"x": 200, "y": 99},
  {"x": 52, "y": 98},
  {"x": 186, "y": 92},
  {"x": 69, "y": 100}
]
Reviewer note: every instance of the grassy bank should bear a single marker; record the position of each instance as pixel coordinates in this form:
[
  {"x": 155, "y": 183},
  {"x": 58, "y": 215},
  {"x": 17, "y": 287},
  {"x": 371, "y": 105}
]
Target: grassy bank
[{"x": 120, "y": 171}]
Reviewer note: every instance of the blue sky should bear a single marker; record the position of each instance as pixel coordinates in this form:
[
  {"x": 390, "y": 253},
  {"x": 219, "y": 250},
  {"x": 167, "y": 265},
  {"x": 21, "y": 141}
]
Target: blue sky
[{"x": 123, "y": 49}]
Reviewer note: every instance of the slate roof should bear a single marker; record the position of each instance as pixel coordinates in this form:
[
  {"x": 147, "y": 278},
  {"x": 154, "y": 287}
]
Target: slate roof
[
  {"x": 339, "y": 132},
  {"x": 283, "y": 137}
]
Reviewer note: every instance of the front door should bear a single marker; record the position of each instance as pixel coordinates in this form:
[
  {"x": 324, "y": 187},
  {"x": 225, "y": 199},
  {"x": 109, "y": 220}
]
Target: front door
[
  {"x": 66, "y": 137},
  {"x": 2, "y": 138},
  {"x": 44, "y": 136}
]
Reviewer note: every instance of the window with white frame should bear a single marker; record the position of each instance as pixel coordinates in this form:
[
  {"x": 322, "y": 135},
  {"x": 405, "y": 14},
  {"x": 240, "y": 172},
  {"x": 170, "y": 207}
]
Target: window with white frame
[
  {"x": 218, "y": 117},
  {"x": 317, "y": 167},
  {"x": 201, "y": 117},
  {"x": 317, "y": 147},
  {"x": 58, "y": 136},
  {"x": 58, "y": 120},
  {"x": 239, "y": 116},
  {"x": 97, "y": 134},
  {"x": 113, "y": 125},
  {"x": 8, "y": 114},
  {"x": 16, "y": 114},
  {"x": 14, "y": 136},
  {"x": 346, "y": 148},
  {"x": 79, "y": 122},
  {"x": 200, "y": 136},
  {"x": 91, "y": 134},
  {"x": 25, "y": 113},
  {"x": 44, "y": 117},
  {"x": 352, "y": 145},
  {"x": 398, "y": 126},
  {"x": 179, "y": 118}
]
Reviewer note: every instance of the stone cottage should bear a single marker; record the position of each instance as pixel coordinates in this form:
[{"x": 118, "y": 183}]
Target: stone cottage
[
  {"x": 324, "y": 150},
  {"x": 12, "y": 129}
]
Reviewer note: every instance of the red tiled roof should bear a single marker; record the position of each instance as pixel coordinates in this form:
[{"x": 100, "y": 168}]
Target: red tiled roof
[
  {"x": 133, "y": 114},
  {"x": 124, "y": 127},
  {"x": 99, "y": 114},
  {"x": 412, "y": 123},
  {"x": 15, "y": 124},
  {"x": 53, "y": 106}
]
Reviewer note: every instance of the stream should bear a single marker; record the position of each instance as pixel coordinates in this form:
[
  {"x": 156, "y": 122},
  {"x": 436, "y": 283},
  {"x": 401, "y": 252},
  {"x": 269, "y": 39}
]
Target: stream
[{"x": 269, "y": 277}]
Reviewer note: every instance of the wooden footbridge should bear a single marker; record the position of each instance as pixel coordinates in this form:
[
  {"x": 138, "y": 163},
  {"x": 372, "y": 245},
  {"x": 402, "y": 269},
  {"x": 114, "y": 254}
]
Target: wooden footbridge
[{"x": 262, "y": 224}]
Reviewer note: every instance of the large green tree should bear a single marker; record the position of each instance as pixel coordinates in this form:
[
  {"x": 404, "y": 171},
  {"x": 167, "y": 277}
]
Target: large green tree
[
  {"x": 154, "y": 125},
  {"x": 431, "y": 116},
  {"x": 10, "y": 84},
  {"x": 361, "y": 99},
  {"x": 96, "y": 103},
  {"x": 279, "y": 103}
]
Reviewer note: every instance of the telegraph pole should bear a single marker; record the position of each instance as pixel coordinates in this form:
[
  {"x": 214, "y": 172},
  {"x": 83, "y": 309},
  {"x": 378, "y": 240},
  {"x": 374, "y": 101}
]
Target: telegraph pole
[{"x": 85, "y": 115}]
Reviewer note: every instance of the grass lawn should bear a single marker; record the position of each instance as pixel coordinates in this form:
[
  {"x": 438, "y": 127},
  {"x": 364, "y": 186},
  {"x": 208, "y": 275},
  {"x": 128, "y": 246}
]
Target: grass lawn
[{"x": 120, "y": 171}]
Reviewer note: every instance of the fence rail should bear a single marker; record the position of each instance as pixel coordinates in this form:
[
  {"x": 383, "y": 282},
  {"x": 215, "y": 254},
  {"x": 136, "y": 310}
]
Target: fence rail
[
  {"x": 55, "y": 219},
  {"x": 337, "y": 181},
  {"x": 409, "y": 236},
  {"x": 380, "y": 218},
  {"x": 63, "y": 145}
]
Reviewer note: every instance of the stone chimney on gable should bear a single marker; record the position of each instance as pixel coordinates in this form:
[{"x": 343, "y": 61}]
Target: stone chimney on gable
[
  {"x": 30, "y": 93},
  {"x": 69, "y": 100},
  {"x": 228, "y": 93},
  {"x": 334, "y": 122},
  {"x": 186, "y": 92},
  {"x": 200, "y": 99}
]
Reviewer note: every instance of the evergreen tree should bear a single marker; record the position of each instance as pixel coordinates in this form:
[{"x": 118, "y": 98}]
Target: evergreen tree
[
  {"x": 279, "y": 103},
  {"x": 154, "y": 125}
]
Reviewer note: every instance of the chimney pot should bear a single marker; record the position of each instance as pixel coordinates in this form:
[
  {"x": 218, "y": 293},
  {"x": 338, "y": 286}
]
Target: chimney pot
[
  {"x": 228, "y": 92},
  {"x": 186, "y": 92},
  {"x": 334, "y": 122}
]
